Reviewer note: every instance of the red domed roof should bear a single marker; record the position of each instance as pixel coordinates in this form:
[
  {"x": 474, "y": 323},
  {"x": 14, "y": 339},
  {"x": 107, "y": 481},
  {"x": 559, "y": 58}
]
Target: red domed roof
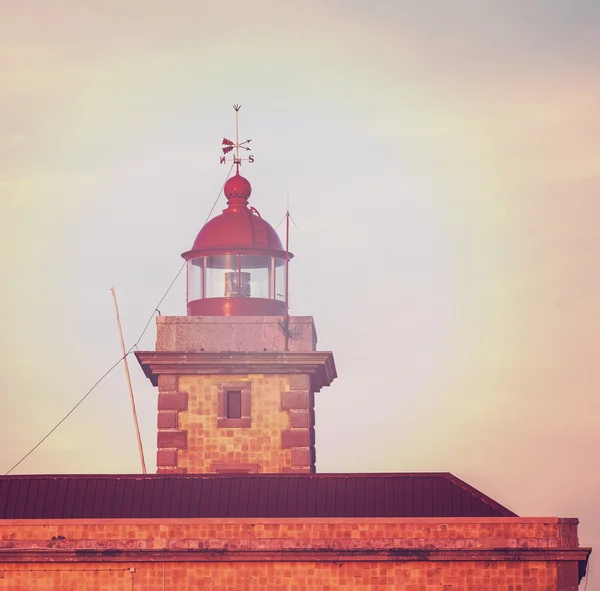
[
  {"x": 239, "y": 226},
  {"x": 237, "y": 229}
]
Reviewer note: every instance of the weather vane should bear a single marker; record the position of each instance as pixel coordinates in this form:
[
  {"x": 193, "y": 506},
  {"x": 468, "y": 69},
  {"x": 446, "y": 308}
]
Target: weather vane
[{"x": 228, "y": 145}]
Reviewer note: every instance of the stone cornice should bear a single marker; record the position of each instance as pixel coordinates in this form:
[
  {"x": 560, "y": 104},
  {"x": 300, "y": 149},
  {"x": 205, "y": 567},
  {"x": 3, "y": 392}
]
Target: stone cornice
[
  {"x": 191, "y": 521},
  {"x": 319, "y": 365},
  {"x": 190, "y": 554}
]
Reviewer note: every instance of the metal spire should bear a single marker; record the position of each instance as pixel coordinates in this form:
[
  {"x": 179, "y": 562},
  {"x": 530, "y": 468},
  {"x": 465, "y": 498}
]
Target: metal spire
[{"x": 228, "y": 145}]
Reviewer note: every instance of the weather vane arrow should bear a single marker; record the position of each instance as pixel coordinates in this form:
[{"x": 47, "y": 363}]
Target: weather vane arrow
[{"x": 228, "y": 146}]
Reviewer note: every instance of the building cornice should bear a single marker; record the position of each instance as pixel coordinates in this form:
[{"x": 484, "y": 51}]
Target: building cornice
[
  {"x": 358, "y": 554},
  {"x": 319, "y": 365}
]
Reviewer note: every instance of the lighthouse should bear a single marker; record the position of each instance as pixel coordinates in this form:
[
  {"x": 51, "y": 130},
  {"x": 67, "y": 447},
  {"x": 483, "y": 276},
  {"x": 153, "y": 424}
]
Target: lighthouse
[
  {"x": 237, "y": 375},
  {"x": 237, "y": 265}
]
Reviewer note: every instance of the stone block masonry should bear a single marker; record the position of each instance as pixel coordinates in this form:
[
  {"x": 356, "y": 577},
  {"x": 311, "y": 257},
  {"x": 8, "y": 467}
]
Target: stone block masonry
[
  {"x": 234, "y": 333},
  {"x": 279, "y": 437},
  {"x": 170, "y": 439},
  {"x": 271, "y": 428},
  {"x": 296, "y": 576},
  {"x": 478, "y": 554}
]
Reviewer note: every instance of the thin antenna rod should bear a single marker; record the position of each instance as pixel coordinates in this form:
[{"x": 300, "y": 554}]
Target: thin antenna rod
[
  {"x": 237, "y": 138},
  {"x": 287, "y": 275},
  {"x": 135, "y": 419}
]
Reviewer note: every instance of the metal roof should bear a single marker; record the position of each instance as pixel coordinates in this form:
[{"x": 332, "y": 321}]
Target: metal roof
[{"x": 229, "y": 496}]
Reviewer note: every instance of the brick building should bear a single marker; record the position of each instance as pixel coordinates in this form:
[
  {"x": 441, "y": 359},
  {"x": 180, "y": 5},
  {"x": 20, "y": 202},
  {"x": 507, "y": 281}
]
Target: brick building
[{"x": 237, "y": 502}]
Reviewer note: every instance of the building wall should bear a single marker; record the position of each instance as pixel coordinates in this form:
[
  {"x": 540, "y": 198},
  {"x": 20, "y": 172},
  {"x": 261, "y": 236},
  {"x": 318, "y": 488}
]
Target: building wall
[
  {"x": 291, "y": 576},
  {"x": 280, "y": 437},
  {"x": 234, "y": 333},
  {"x": 500, "y": 554}
]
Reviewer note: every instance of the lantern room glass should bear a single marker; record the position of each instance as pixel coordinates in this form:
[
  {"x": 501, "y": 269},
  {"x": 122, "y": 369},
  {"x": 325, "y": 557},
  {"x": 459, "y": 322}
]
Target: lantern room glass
[
  {"x": 279, "y": 291},
  {"x": 236, "y": 276},
  {"x": 257, "y": 268},
  {"x": 195, "y": 276}
]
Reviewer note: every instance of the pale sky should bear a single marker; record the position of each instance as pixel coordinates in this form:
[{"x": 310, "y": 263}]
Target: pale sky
[{"x": 443, "y": 165}]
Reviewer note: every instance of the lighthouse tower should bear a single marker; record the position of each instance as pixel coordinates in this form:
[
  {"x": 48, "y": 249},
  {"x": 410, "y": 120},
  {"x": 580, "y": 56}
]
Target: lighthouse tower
[{"x": 236, "y": 377}]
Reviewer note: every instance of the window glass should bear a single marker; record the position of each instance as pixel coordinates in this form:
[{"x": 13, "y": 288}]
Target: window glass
[
  {"x": 280, "y": 279},
  {"x": 255, "y": 276},
  {"x": 194, "y": 274},
  {"x": 232, "y": 276},
  {"x": 221, "y": 276},
  {"x": 234, "y": 404}
]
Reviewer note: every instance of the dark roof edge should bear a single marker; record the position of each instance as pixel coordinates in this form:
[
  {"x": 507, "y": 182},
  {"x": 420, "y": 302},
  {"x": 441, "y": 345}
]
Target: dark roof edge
[
  {"x": 243, "y": 475},
  {"x": 483, "y": 497}
]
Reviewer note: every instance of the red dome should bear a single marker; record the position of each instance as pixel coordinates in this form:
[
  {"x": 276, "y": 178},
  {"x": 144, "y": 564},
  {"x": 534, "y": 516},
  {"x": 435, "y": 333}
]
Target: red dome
[{"x": 238, "y": 227}]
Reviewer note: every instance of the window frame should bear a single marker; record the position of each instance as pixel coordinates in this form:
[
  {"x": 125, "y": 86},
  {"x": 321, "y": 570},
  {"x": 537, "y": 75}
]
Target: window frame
[{"x": 223, "y": 421}]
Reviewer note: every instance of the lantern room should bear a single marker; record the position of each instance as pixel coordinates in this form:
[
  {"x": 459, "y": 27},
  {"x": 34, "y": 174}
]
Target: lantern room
[{"x": 237, "y": 265}]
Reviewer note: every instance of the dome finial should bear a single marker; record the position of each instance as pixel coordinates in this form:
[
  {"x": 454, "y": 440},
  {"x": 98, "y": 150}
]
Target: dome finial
[
  {"x": 228, "y": 145},
  {"x": 237, "y": 189}
]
